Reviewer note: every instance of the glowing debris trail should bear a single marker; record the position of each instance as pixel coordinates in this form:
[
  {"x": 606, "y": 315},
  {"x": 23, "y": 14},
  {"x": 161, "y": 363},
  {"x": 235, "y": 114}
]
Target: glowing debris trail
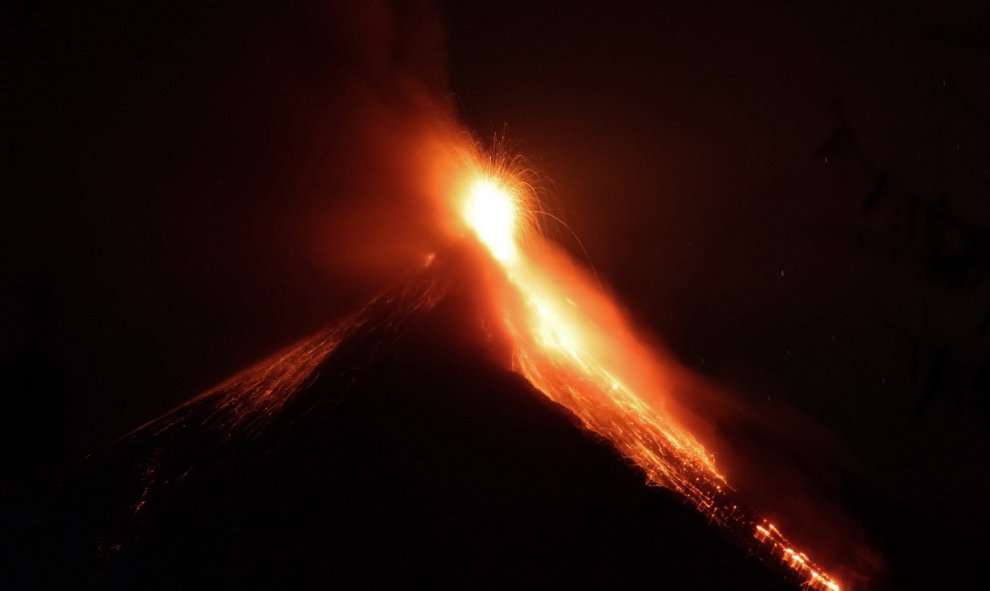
[{"x": 573, "y": 344}]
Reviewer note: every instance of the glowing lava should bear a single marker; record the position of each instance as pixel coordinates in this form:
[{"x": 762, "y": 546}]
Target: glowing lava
[
  {"x": 573, "y": 343},
  {"x": 493, "y": 212}
]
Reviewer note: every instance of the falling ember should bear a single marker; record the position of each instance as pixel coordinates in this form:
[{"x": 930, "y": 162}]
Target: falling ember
[{"x": 571, "y": 341}]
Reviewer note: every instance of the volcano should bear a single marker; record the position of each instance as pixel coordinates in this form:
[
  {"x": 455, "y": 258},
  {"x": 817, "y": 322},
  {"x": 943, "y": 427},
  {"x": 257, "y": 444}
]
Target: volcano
[{"x": 393, "y": 449}]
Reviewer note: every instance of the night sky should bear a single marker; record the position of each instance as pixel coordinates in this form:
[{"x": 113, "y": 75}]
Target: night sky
[{"x": 793, "y": 197}]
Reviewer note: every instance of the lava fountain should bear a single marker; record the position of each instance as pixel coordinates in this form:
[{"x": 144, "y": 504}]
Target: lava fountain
[{"x": 571, "y": 341}]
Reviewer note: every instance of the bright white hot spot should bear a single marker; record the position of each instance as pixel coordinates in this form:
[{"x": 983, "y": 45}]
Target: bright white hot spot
[{"x": 492, "y": 212}]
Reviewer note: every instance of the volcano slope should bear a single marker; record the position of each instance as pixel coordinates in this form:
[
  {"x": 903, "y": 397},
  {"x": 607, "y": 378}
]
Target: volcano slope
[{"x": 393, "y": 450}]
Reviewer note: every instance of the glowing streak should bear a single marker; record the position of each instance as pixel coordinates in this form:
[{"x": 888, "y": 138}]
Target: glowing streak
[{"x": 571, "y": 343}]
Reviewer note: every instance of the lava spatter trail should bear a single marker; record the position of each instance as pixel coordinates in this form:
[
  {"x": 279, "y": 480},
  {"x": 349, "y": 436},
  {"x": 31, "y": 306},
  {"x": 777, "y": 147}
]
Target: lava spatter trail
[
  {"x": 242, "y": 408},
  {"x": 573, "y": 343}
]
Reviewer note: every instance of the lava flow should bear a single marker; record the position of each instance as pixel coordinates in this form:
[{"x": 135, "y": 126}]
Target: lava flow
[{"x": 571, "y": 341}]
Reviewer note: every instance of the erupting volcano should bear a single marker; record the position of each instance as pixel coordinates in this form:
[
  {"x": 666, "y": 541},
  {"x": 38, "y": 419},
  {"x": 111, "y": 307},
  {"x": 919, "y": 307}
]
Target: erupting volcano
[
  {"x": 498, "y": 290},
  {"x": 282, "y": 307}
]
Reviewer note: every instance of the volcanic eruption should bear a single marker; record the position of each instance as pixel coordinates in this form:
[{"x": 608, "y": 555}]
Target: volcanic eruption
[
  {"x": 718, "y": 320},
  {"x": 464, "y": 346}
]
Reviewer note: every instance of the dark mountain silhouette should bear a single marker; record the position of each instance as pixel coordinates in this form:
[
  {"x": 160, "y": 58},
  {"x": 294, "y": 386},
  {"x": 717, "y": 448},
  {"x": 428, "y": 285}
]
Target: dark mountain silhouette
[{"x": 394, "y": 450}]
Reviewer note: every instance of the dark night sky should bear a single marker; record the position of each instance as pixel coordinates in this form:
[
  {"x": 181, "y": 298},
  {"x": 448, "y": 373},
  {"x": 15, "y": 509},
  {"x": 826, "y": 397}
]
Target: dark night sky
[{"x": 792, "y": 196}]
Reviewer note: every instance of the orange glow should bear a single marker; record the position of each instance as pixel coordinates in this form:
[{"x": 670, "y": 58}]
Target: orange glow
[{"x": 573, "y": 343}]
